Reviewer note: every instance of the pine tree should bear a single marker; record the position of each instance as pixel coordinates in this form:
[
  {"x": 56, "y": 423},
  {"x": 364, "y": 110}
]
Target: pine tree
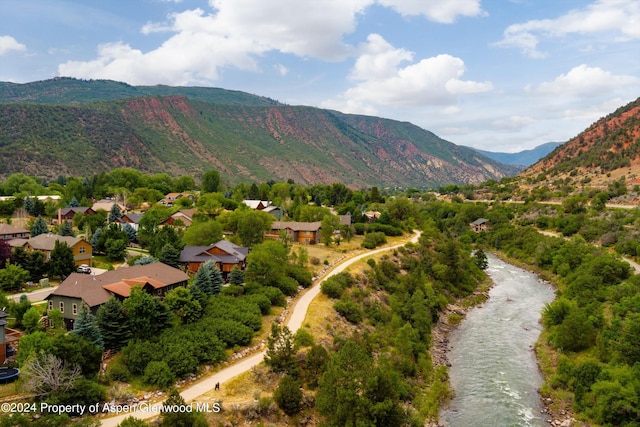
[
  {"x": 170, "y": 256},
  {"x": 236, "y": 277},
  {"x": 66, "y": 229},
  {"x": 39, "y": 227},
  {"x": 115, "y": 213},
  {"x": 113, "y": 324},
  {"x": 216, "y": 278},
  {"x": 202, "y": 280},
  {"x": 28, "y": 205},
  {"x": 86, "y": 326},
  {"x": 132, "y": 235},
  {"x": 73, "y": 203}
]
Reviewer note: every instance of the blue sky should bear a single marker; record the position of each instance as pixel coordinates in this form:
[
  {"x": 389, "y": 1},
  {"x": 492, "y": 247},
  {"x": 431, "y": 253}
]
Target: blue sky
[{"x": 499, "y": 75}]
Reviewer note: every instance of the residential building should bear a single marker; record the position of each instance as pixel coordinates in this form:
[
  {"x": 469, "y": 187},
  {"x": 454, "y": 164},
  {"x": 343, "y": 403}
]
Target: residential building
[
  {"x": 480, "y": 224},
  {"x": 170, "y": 198},
  {"x": 94, "y": 290},
  {"x": 185, "y": 216},
  {"x": 67, "y": 214},
  {"x": 82, "y": 250},
  {"x": 8, "y": 232},
  {"x": 225, "y": 254},
  {"x": 306, "y": 233}
]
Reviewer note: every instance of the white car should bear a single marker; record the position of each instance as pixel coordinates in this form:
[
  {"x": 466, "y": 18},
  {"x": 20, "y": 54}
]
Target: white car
[{"x": 84, "y": 268}]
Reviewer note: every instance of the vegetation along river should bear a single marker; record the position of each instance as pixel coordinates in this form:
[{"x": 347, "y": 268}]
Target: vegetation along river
[{"x": 493, "y": 366}]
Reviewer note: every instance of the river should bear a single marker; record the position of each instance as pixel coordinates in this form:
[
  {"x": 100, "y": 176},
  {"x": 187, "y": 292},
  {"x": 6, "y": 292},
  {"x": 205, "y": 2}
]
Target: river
[{"x": 493, "y": 366}]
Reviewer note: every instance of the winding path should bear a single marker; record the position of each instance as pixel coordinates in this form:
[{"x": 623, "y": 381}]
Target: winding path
[{"x": 294, "y": 322}]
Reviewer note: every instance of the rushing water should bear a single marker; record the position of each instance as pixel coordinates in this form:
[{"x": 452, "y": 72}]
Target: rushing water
[{"x": 493, "y": 366}]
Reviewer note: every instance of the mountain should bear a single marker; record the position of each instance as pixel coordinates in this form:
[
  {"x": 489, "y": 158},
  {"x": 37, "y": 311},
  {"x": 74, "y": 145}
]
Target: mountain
[
  {"x": 607, "y": 150},
  {"x": 74, "y": 127},
  {"x": 522, "y": 158}
]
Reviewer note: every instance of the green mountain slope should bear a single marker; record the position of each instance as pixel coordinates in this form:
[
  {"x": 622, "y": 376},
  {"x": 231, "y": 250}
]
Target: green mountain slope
[{"x": 244, "y": 141}]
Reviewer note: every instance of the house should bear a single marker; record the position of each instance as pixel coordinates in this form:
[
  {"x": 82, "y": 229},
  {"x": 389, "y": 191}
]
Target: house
[
  {"x": 8, "y": 232},
  {"x": 67, "y": 214},
  {"x": 225, "y": 254},
  {"x": 133, "y": 219},
  {"x": 307, "y": 233},
  {"x": 9, "y": 339},
  {"x": 77, "y": 289},
  {"x": 170, "y": 198},
  {"x": 480, "y": 224},
  {"x": 82, "y": 250},
  {"x": 265, "y": 206},
  {"x": 184, "y": 215},
  {"x": 107, "y": 205},
  {"x": 372, "y": 216},
  {"x": 345, "y": 219}
]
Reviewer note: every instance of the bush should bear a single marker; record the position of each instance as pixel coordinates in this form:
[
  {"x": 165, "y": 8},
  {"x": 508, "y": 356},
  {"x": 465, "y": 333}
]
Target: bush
[
  {"x": 159, "y": 374},
  {"x": 349, "y": 310},
  {"x": 332, "y": 288},
  {"x": 275, "y": 295},
  {"x": 288, "y": 395},
  {"x": 118, "y": 372},
  {"x": 303, "y": 338},
  {"x": 262, "y": 301},
  {"x": 373, "y": 240},
  {"x": 302, "y": 276},
  {"x": 233, "y": 290}
]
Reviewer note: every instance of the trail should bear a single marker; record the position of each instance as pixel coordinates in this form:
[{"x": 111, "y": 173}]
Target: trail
[{"x": 294, "y": 322}]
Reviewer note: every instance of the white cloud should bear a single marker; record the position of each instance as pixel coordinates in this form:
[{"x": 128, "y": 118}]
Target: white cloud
[
  {"x": 383, "y": 81},
  {"x": 585, "y": 81},
  {"x": 281, "y": 69},
  {"x": 234, "y": 34},
  {"x": 8, "y": 43},
  {"x": 512, "y": 123},
  {"x": 621, "y": 18},
  {"x": 445, "y": 11}
]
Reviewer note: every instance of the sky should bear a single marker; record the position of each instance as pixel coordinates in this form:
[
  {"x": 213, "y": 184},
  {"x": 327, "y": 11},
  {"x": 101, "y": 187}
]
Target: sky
[{"x": 497, "y": 75}]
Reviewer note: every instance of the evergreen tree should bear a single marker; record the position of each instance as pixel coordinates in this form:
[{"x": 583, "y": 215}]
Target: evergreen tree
[
  {"x": 236, "y": 277},
  {"x": 148, "y": 316},
  {"x": 28, "y": 205},
  {"x": 115, "y": 213},
  {"x": 170, "y": 256},
  {"x": 132, "y": 235},
  {"x": 5, "y": 253},
  {"x": 143, "y": 260},
  {"x": 281, "y": 350},
  {"x": 113, "y": 324},
  {"x": 66, "y": 229},
  {"x": 95, "y": 239},
  {"x": 61, "y": 262},
  {"x": 202, "y": 280},
  {"x": 73, "y": 203},
  {"x": 288, "y": 395},
  {"x": 86, "y": 326},
  {"x": 39, "y": 227},
  {"x": 216, "y": 278}
]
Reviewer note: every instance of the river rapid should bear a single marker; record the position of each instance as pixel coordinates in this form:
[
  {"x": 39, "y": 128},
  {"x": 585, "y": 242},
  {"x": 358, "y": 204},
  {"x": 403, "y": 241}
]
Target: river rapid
[{"x": 493, "y": 370}]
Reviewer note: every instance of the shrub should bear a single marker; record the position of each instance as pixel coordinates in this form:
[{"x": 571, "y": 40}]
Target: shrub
[
  {"x": 159, "y": 374},
  {"x": 373, "y": 240},
  {"x": 118, "y": 372},
  {"x": 288, "y": 395},
  {"x": 349, "y": 310},
  {"x": 303, "y": 338}
]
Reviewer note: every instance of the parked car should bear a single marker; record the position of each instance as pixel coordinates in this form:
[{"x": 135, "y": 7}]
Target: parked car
[{"x": 84, "y": 268}]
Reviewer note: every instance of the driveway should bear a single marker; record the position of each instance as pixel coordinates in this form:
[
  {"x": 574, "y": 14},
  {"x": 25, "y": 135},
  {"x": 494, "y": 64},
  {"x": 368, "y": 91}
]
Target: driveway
[
  {"x": 41, "y": 294},
  {"x": 298, "y": 313}
]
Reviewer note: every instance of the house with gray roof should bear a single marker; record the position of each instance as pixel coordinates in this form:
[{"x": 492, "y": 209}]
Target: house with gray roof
[{"x": 225, "y": 254}]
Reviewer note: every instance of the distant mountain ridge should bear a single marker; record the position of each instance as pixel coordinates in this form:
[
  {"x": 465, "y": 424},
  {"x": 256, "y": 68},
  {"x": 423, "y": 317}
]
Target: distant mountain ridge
[
  {"x": 522, "y": 158},
  {"x": 74, "y": 127}
]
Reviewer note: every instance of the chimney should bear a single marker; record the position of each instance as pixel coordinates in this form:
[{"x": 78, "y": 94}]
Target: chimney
[{"x": 59, "y": 216}]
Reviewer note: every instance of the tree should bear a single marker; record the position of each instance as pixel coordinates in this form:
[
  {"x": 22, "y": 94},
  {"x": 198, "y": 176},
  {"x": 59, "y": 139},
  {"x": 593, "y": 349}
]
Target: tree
[
  {"x": 33, "y": 344},
  {"x": 86, "y": 326},
  {"x": 210, "y": 181},
  {"x": 252, "y": 225},
  {"x": 133, "y": 422},
  {"x": 236, "y": 277},
  {"x": 75, "y": 350},
  {"x": 28, "y": 205},
  {"x": 115, "y": 213},
  {"x": 116, "y": 249},
  {"x": 315, "y": 365},
  {"x": 131, "y": 233},
  {"x": 288, "y": 395},
  {"x": 281, "y": 350},
  {"x": 66, "y": 229},
  {"x": 203, "y": 233},
  {"x": 184, "y": 305},
  {"x": 13, "y": 277},
  {"x": 329, "y": 224},
  {"x": 31, "y": 320},
  {"x": 148, "y": 316},
  {"x": 113, "y": 324},
  {"x": 216, "y": 278},
  {"x": 177, "y": 418},
  {"x": 170, "y": 256},
  {"x": 481, "y": 259},
  {"x": 39, "y": 227},
  {"x": 45, "y": 374},
  {"x": 202, "y": 280},
  {"x": 5, "y": 253},
  {"x": 61, "y": 262}
]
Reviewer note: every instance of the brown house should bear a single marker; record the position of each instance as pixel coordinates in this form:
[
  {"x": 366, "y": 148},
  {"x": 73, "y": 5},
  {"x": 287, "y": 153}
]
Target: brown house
[
  {"x": 8, "y": 232},
  {"x": 184, "y": 215},
  {"x": 225, "y": 254},
  {"x": 77, "y": 289},
  {"x": 170, "y": 198},
  {"x": 82, "y": 250},
  {"x": 480, "y": 224},
  {"x": 67, "y": 214},
  {"x": 306, "y": 233}
]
